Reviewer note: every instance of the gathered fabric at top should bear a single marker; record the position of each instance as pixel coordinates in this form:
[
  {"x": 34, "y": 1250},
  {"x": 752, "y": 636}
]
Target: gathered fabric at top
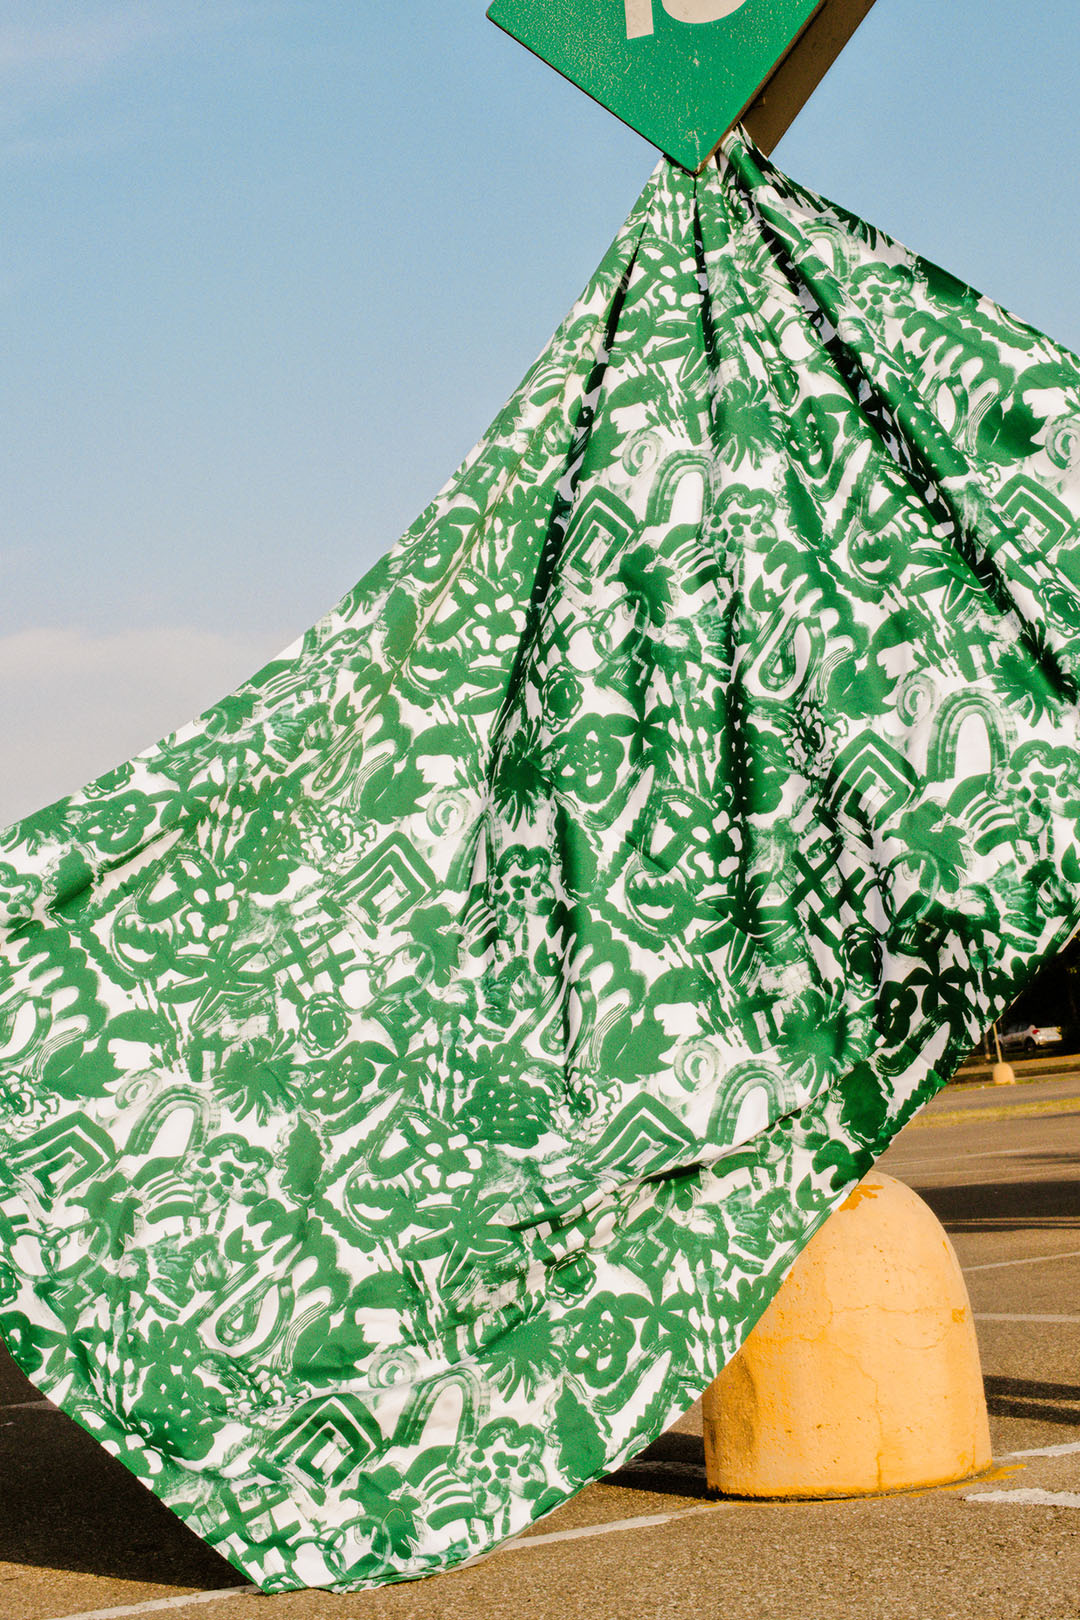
[{"x": 419, "y": 1074}]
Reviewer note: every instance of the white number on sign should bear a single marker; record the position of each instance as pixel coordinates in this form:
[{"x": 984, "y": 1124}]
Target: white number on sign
[{"x": 639, "y": 13}]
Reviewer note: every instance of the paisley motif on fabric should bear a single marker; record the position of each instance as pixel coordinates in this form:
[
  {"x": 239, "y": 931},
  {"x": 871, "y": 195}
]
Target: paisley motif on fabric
[{"x": 418, "y": 1075}]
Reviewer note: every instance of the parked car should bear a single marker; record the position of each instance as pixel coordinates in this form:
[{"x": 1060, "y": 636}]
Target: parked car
[{"x": 1028, "y": 1037}]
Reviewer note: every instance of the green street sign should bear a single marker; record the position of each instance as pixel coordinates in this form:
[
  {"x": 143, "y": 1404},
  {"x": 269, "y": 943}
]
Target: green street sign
[{"x": 680, "y": 72}]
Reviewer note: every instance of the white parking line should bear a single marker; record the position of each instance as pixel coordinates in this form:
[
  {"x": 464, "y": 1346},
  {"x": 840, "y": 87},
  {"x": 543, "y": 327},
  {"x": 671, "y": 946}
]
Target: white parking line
[
  {"x": 1016, "y": 1316},
  {"x": 523, "y": 1543},
  {"x": 1049, "y": 1451},
  {"x": 520, "y": 1544},
  {"x": 185, "y": 1600},
  {"x": 950, "y": 1160},
  {"x": 1034, "y": 1260},
  {"x": 1028, "y": 1496}
]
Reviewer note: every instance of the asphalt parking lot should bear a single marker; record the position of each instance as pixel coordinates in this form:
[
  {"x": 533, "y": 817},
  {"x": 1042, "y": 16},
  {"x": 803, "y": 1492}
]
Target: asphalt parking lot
[{"x": 1001, "y": 1168}]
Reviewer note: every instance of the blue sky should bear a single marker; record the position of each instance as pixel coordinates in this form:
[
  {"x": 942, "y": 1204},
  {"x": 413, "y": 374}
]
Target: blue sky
[{"x": 269, "y": 267}]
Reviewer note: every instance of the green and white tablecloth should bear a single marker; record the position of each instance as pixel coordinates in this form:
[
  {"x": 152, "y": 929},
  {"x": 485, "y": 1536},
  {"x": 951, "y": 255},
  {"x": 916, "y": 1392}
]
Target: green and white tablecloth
[{"x": 417, "y": 1075}]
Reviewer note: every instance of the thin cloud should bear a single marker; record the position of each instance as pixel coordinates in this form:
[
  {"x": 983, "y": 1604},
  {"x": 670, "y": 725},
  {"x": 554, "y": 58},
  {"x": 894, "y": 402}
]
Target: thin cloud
[
  {"x": 77, "y": 47},
  {"x": 51, "y": 53},
  {"x": 75, "y": 705}
]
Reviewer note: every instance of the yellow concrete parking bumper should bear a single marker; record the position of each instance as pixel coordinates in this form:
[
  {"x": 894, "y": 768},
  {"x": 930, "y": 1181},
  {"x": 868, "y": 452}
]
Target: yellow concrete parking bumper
[{"x": 863, "y": 1375}]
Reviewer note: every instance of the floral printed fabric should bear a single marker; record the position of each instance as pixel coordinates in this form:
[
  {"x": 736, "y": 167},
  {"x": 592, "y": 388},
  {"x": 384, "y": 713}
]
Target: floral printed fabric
[{"x": 419, "y": 1074}]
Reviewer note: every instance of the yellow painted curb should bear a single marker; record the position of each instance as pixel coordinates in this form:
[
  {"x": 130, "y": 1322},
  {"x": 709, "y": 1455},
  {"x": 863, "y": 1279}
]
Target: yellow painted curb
[{"x": 863, "y": 1375}]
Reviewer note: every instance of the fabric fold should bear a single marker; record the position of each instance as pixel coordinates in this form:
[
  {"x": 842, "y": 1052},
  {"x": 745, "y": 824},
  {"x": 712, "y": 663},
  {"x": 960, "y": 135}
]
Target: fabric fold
[{"x": 419, "y": 1074}]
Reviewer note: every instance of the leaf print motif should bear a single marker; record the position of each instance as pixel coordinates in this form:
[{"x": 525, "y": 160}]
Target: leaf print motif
[{"x": 418, "y": 1074}]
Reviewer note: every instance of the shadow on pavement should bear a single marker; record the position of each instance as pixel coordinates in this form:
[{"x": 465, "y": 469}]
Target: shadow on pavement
[
  {"x": 1022, "y": 1398},
  {"x": 674, "y": 1465},
  {"x": 66, "y": 1504},
  {"x": 1006, "y": 1206}
]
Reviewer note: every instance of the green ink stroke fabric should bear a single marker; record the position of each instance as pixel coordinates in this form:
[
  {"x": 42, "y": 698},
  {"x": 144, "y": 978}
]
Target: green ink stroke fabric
[{"x": 418, "y": 1075}]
